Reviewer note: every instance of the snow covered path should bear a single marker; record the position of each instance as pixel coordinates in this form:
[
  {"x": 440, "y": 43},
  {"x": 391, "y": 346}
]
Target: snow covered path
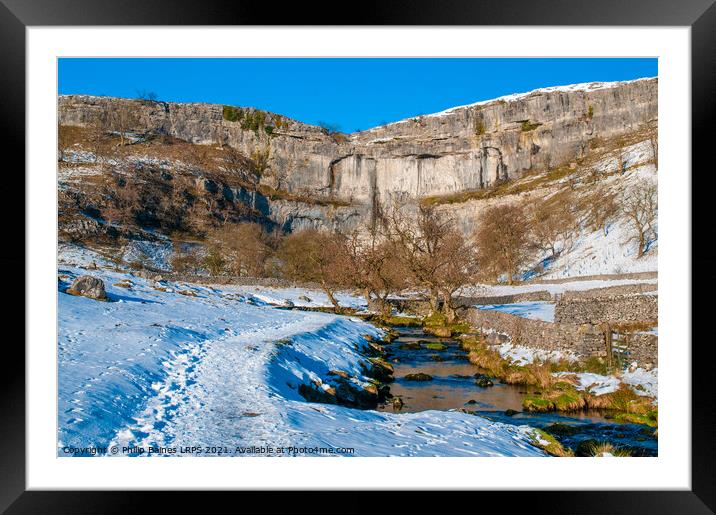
[{"x": 183, "y": 365}]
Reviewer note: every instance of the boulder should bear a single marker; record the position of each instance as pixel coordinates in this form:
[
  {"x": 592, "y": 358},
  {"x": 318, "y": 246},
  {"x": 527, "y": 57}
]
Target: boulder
[
  {"x": 88, "y": 286},
  {"x": 419, "y": 377},
  {"x": 440, "y": 331},
  {"x": 483, "y": 381},
  {"x": 371, "y": 389},
  {"x": 339, "y": 373},
  {"x": 380, "y": 369}
]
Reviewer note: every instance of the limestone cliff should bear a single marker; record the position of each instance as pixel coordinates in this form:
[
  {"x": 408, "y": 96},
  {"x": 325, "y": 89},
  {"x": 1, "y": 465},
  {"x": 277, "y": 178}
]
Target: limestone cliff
[{"x": 462, "y": 149}]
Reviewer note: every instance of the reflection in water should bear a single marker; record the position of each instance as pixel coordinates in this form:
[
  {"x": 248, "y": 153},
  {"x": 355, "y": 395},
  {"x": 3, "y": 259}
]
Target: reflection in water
[{"x": 453, "y": 387}]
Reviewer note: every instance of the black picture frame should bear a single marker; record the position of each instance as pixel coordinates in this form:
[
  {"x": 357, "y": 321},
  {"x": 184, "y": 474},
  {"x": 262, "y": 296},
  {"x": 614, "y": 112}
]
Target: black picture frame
[{"x": 700, "y": 15}]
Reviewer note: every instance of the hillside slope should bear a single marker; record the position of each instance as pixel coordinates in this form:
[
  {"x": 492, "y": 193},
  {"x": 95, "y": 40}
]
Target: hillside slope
[{"x": 141, "y": 170}]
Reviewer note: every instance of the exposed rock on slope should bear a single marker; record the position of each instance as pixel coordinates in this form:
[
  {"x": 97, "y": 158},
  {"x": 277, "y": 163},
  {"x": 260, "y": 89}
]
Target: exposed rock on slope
[
  {"x": 342, "y": 178},
  {"x": 88, "y": 286}
]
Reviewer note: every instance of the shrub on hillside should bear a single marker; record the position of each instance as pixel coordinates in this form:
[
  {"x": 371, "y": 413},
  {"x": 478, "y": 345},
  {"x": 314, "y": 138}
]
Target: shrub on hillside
[{"x": 503, "y": 240}]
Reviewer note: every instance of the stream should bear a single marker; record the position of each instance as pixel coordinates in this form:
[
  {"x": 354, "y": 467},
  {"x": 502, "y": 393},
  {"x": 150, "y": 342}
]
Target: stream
[{"x": 453, "y": 387}]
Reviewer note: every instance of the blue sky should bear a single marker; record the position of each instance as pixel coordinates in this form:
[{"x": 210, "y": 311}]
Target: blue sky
[{"x": 351, "y": 94}]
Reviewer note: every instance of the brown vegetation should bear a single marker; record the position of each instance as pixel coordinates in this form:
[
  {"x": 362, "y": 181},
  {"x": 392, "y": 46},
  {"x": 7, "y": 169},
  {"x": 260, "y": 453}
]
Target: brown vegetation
[
  {"x": 552, "y": 221},
  {"x": 503, "y": 240},
  {"x": 244, "y": 248},
  {"x": 372, "y": 267},
  {"x": 437, "y": 257},
  {"x": 600, "y": 208},
  {"x": 311, "y": 256}
]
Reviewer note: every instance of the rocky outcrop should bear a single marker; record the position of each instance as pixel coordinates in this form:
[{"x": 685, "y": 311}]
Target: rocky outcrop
[
  {"x": 462, "y": 149},
  {"x": 88, "y": 286}
]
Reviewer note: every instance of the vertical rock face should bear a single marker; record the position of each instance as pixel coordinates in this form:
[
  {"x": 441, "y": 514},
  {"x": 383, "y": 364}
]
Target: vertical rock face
[{"x": 461, "y": 149}]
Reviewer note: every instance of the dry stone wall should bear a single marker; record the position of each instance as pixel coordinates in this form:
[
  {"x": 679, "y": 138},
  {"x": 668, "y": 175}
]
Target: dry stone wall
[
  {"x": 580, "y": 339},
  {"x": 531, "y": 296},
  {"x": 619, "y": 308},
  {"x": 610, "y": 291},
  {"x": 643, "y": 348}
]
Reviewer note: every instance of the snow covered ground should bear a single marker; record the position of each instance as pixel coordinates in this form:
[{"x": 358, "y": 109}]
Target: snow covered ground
[
  {"x": 155, "y": 254},
  {"x": 299, "y": 297},
  {"x": 537, "y": 310},
  {"x": 180, "y": 365},
  {"x": 520, "y": 355},
  {"x": 613, "y": 251}
]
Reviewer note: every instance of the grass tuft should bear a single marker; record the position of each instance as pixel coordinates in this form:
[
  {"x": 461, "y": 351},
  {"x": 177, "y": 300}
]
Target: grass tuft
[
  {"x": 549, "y": 444},
  {"x": 600, "y": 449}
]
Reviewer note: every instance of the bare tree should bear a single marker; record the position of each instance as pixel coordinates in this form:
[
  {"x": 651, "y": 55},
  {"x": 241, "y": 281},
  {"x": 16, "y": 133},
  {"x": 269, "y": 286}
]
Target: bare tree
[
  {"x": 121, "y": 119},
  {"x": 201, "y": 212},
  {"x": 370, "y": 265},
  {"x": 552, "y": 222},
  {"x": 503, "y": 240},
  {"x": 312, "y": 256},
  {"x": 95, "y": 135},
  {"x": 600, "y": 208},
  {"x": 124, "y": 201},
  {"x": 639, "y": 205},
  {"x": 654, "y": 144},
  {"x": 435, "y": 255},
  {"x": 651, "y": 128},
  {"x": 244, "y": 247},
  {"x": 143, "y": 94},
  {"x": 461, "y": 267}
]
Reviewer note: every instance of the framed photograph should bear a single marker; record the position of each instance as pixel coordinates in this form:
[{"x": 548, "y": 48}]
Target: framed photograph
[{"x": 419, "y": 252}]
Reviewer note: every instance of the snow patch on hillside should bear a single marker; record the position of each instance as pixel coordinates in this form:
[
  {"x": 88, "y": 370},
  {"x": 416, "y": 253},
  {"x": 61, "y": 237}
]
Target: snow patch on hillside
[
  {"x": 150, "y": 254},
  {"x": 613, "y": 251}
]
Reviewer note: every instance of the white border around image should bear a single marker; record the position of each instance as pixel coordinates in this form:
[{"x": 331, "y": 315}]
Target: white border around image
[{"x": 670, "y": 470}]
